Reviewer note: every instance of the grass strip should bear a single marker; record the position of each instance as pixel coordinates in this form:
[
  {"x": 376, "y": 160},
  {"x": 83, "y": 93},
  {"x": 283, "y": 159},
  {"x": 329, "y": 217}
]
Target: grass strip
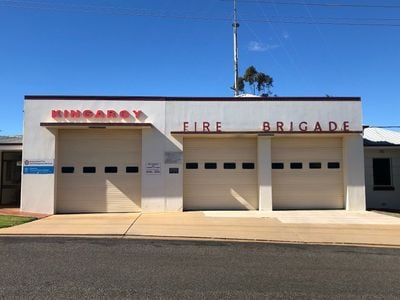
[{"x": 9, "y": 221}]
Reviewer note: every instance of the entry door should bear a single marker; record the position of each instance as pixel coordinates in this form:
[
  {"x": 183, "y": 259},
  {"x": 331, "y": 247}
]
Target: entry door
[
  {"x": 11, "y": 178},
  {"x": 220, "y": 173},
  {"x": 307, "y": 173},
  {"x": 98, "y": 170}
]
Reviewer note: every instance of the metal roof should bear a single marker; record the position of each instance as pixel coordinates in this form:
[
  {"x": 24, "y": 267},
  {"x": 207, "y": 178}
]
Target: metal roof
[
  {"x": 381, "y": 137},
  {"x": 17, "y": 139}
]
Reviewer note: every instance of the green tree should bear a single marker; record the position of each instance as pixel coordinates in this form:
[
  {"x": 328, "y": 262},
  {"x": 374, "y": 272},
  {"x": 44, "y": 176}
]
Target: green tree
[
  {"x": 264, "y": 84},
  {"x": 259, "y": 82},
  {"x": 250, "y": 76}
]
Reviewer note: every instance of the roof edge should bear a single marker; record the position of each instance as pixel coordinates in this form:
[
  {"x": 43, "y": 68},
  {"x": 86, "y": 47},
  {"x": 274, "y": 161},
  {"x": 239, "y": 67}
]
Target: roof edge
[{"x": 189, "y": 98}]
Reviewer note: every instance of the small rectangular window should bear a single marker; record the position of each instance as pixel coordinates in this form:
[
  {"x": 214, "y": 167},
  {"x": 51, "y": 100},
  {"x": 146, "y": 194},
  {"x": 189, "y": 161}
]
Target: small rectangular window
[
  {"x": 132, "y": 169},
  {"x": 277, "y": 166},
  {"x": 89, "y": 170},
  {"x": 333, "y": 165},
  {"x": 382, "y": 171},
  {"x": 110, "y": 170},
  {"x": 296, "y": 165},
  {"x": 230, "y": 165},
  {"x": 192, "y": 165},
  {"x": 173, "y": 170},
  {"x": 248, "y": 166},
  {"x": 67, "y": 170},
  {"x": 315, "y": 165},
  {"x": 210, "y": 165}
]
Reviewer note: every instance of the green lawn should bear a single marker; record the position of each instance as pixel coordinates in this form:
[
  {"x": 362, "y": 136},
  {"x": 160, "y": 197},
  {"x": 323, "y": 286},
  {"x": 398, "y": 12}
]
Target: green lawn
[{"x": 8, "y": 221}]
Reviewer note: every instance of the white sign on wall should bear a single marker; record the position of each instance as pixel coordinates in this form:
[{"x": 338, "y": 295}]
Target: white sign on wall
[
  {"x": 153, "y": 168},
  {"x": 38, "y": 162},
  {"x": 38, "y": 166}
]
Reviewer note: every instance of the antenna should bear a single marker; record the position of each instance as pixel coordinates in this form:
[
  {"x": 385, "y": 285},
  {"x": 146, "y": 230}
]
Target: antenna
[{"x": 235, "y": 26}]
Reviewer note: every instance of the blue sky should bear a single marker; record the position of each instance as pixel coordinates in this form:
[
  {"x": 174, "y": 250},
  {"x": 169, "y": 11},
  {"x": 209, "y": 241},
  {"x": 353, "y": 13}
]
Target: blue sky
[{"x": 86, "y": 50}]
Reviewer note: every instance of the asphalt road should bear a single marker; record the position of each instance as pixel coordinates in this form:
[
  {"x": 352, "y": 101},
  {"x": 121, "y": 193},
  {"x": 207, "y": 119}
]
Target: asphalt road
[{"x": 75, "y": 268}]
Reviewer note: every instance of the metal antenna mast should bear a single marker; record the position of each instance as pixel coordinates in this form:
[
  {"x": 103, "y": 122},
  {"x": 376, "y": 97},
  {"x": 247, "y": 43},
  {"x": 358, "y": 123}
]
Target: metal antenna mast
[{"x": 235, "y": 26}]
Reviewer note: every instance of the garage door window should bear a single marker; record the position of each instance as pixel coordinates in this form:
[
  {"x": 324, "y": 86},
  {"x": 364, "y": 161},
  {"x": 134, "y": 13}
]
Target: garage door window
[
  {"x": 315, "y": 165},
  {"x": 89, "y": 170},
  {"x": 248, "y": 166},
  {"x": 110, "y": 170},
  {"x": 277, "y": 166},
  {"x": 382, "y": 174},
  {"x": 132, "y": 169},
  {"x": 296, "y": 165},
  {"x": 67, "y": 170},
  {"x": 333, "y": 165},
  {"x": 192, "y": 166},
  {"x": 210, "y": 165},
  {"x": 230, "y": 166}
]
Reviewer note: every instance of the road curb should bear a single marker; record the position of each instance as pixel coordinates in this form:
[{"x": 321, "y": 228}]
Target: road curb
[{"x": 209, "y": 239}]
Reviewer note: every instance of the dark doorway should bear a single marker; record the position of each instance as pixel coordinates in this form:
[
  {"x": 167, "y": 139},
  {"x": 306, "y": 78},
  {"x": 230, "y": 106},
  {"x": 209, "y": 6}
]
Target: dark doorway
[{"x": 11, "y": 162}]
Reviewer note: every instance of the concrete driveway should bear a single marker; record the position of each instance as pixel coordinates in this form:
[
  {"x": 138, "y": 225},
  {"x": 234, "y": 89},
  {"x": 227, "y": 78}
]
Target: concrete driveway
[
  {"x": 338, "y": 227},
  {"x": 77, "y": 224}
]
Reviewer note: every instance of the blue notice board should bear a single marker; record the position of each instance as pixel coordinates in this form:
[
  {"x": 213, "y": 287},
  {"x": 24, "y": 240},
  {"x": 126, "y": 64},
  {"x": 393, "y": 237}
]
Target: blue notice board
[{"x": 38, "y": 169}]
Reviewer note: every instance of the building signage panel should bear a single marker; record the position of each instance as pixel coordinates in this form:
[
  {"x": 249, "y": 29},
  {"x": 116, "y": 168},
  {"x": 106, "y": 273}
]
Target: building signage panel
[
  {"x": 153, "y": 168},
  {"x": 38, "y": 166}
]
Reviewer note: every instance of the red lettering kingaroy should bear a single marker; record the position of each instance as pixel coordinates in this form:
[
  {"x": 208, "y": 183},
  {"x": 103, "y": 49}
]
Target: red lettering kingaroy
[{"x": 97, "y": 114}]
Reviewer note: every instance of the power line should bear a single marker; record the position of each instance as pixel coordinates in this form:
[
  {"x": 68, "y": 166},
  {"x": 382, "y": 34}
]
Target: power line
[
  {"x": 337, "y": 18},
  {"x": 110, "y": 10},
  {"x": 391, "y": 126},
  {"x": 351, "y": 5},
  {"x": 293, "y": 61}
]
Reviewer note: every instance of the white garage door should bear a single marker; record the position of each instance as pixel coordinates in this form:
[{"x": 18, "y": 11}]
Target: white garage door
[
  {"x": 307, "y": 173},
  {"x": 220, "y": 173},
  {"x": 98, "y": 170}
]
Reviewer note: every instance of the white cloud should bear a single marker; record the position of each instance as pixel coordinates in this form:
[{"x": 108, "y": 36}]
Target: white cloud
[
  {"x": 286, "y": 35},
  {"x": 261, "y": 47}
]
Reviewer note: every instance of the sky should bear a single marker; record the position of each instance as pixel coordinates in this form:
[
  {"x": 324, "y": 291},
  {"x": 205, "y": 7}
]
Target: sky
[{"x": 185, "y": 48}]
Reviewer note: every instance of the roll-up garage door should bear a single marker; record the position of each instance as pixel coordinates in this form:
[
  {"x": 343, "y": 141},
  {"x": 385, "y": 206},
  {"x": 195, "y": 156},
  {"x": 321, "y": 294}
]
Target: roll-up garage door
[
  {"x": 307, "y": 173},
  {"x": 98, "y": 170},
  {"x": 220, "y": 173}
]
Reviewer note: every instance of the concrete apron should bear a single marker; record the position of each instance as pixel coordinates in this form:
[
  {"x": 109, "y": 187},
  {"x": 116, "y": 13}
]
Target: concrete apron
[{"x": 321, "y": 227}]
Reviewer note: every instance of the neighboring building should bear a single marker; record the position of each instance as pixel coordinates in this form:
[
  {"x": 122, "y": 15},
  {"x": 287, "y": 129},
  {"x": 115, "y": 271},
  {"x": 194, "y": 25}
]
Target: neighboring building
[
  {"x": 382, "y": 168},
  {"x": 10, "y": 165},
  {"x": 123, "y": 154}
]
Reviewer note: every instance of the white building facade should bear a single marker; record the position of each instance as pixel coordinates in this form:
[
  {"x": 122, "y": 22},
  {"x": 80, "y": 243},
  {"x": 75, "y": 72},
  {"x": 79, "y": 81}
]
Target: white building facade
[{"x": 126, "y": 154}]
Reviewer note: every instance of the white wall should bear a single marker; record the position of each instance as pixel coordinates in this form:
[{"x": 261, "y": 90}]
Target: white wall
[
  {"x": 38, "y": 191},
  {"x": 264, "y": 160},
  {"x": 250, "y": 115},
  {"x": 382, "y": 199},
  {"x": 353, "y": 171},
  {"x": 164, "y": 192}
]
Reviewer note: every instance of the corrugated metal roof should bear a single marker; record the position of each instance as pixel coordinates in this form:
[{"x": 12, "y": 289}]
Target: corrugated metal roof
[
  {"x": 17, "y": 139},
  {"x": 379, "y": 136}
]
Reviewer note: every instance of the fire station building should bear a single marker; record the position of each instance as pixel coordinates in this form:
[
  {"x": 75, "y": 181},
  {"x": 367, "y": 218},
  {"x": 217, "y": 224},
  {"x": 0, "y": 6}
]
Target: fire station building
[{"x": 130, "y": 154}]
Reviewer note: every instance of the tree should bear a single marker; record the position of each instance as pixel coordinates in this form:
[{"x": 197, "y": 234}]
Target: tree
[
  {"x": 257, "y": 81},
  {"x": 250, "y": 76},
  {"x": 264, "y": 84}
]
